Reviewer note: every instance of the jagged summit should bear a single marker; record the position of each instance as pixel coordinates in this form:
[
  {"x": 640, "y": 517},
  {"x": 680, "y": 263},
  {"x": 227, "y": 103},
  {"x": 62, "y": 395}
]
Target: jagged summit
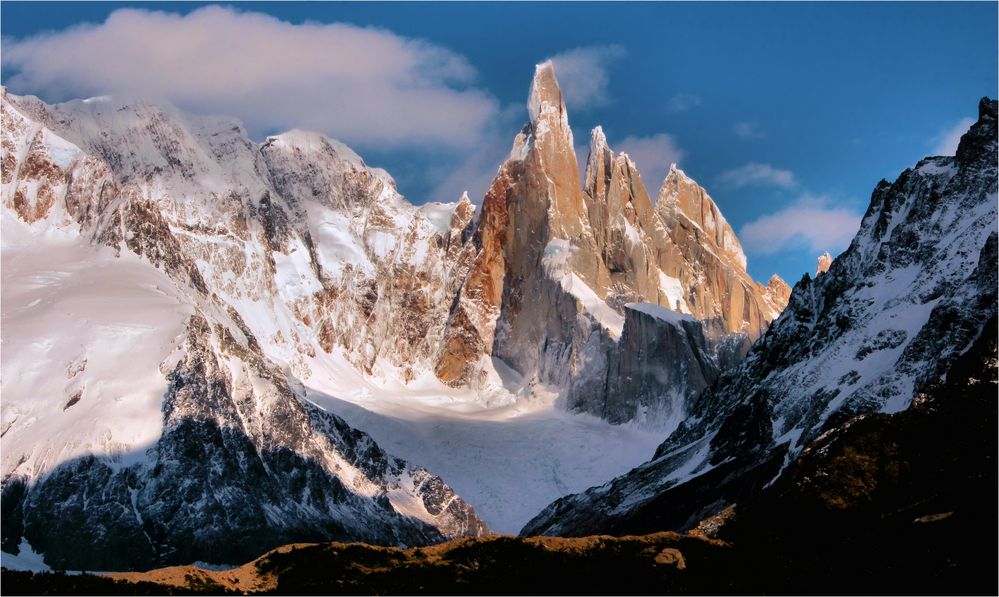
[
  {"x": 824, "y": 261},
  {"x": 602, "y": 245},
  {"x": 545, "y": 96}
]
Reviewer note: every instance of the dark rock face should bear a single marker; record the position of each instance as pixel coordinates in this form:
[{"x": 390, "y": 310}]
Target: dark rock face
[
  {"x": 889, "y": 317},
  {"x": 901, "y": 503},
  {"x": 660, "y": 364}
]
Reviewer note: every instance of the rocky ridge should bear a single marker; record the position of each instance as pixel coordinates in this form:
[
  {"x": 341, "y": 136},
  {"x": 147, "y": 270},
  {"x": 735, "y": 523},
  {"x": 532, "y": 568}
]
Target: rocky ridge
[{"x": 889, "y": 317}]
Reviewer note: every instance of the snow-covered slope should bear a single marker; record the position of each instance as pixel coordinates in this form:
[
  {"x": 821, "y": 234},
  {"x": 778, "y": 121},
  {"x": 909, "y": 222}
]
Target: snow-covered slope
[{"x": 890, "y": 315}]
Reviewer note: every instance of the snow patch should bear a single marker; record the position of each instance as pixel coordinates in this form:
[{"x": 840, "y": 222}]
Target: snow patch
[
  {"x": 26, "y": 559},
  {"x": 674, "y": 291},
  {"x": 439, "y": 215},
  {"x": 555, "y": 260}
]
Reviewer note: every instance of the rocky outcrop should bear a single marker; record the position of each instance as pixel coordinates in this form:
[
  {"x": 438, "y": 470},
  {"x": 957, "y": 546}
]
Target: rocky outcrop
[
  {"x": 662, "y": 361},
  {"x": 824, "y": 261},
  {"x": 889, "y": 317}
]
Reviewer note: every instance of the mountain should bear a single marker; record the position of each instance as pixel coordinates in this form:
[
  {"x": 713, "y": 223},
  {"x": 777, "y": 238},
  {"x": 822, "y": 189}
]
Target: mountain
[
  {"x": 163, "y": 296},
  {"x": 889, "y": 317},
  {"x": 567, "y": 276}
]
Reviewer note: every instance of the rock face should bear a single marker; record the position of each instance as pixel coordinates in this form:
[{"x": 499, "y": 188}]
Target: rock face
[
  {"x": 558, "y": 263},
  {"x": 889, "y": 317},
  {"x": 215, "y": 270}
]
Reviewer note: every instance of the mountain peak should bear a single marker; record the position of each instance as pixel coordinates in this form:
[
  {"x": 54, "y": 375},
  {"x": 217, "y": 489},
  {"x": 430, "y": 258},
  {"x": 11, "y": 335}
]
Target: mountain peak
[
  {"x": 312, "y": 142},
  {"x": 598, "y": 140},
  {"x": 680, "y": 195},
  {"x": 545, "y": 95},
  {"x": 982, "y": 134}
]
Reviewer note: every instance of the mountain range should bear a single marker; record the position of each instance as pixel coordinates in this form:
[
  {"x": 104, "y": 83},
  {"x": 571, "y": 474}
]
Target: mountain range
[{"x": 182, "y": 306}]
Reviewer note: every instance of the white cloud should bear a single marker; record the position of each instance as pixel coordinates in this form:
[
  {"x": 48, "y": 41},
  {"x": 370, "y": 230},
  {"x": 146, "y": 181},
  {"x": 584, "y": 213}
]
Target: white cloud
[
  {"x": 365, "y": 86},
  {"x": 583, "y": 75},
  {"x": 811, "y": 221},
  {"x": 473, "y": 174},
  {"x": 682, "y": 102},
  {"x": 652, "y": 155},
  {"x": 755, "y": 174},
  {"x": 949, "y": 140},
  {"x": 748, "y": 130}
]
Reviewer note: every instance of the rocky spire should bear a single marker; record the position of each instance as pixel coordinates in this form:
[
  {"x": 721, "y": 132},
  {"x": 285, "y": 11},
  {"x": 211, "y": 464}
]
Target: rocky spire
[{"x": 599, "y": 247}]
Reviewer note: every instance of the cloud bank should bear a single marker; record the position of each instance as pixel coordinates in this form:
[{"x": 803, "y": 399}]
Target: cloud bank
[
  {"x": 365, "y": 86},
  {"x": 810, "y": 222}
]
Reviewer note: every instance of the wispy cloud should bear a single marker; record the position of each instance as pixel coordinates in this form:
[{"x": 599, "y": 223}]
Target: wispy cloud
[
  {"x": 748, "y": 130},
  {"x": 949, "y": 140},
  {"x": 755, "y": 174},
  {"x": 682, "y": 102},
  {"x": 812, "y": 221},
  {"x": 652, "y": 155},
  {"x": 366, "y": 86},
  {"x": 583, "y": 74}
]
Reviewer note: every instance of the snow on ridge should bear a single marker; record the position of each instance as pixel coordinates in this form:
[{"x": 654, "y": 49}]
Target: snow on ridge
[
  {"x": 661, "y": 313},
  {"x": 439, "y": 215},
  {"x": 555, "y": 260},
  {"x": 312, "y": 142}
]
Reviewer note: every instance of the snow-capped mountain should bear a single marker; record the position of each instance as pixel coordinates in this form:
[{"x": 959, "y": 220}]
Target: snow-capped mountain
[
  {"x": 183, "y": 308},
  {"x": 160, "y": 302},
  {"x": 885, "y": 319}
]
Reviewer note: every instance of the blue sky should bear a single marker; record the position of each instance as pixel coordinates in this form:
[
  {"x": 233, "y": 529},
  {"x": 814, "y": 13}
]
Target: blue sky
[{"x": 788, "y": 113}]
